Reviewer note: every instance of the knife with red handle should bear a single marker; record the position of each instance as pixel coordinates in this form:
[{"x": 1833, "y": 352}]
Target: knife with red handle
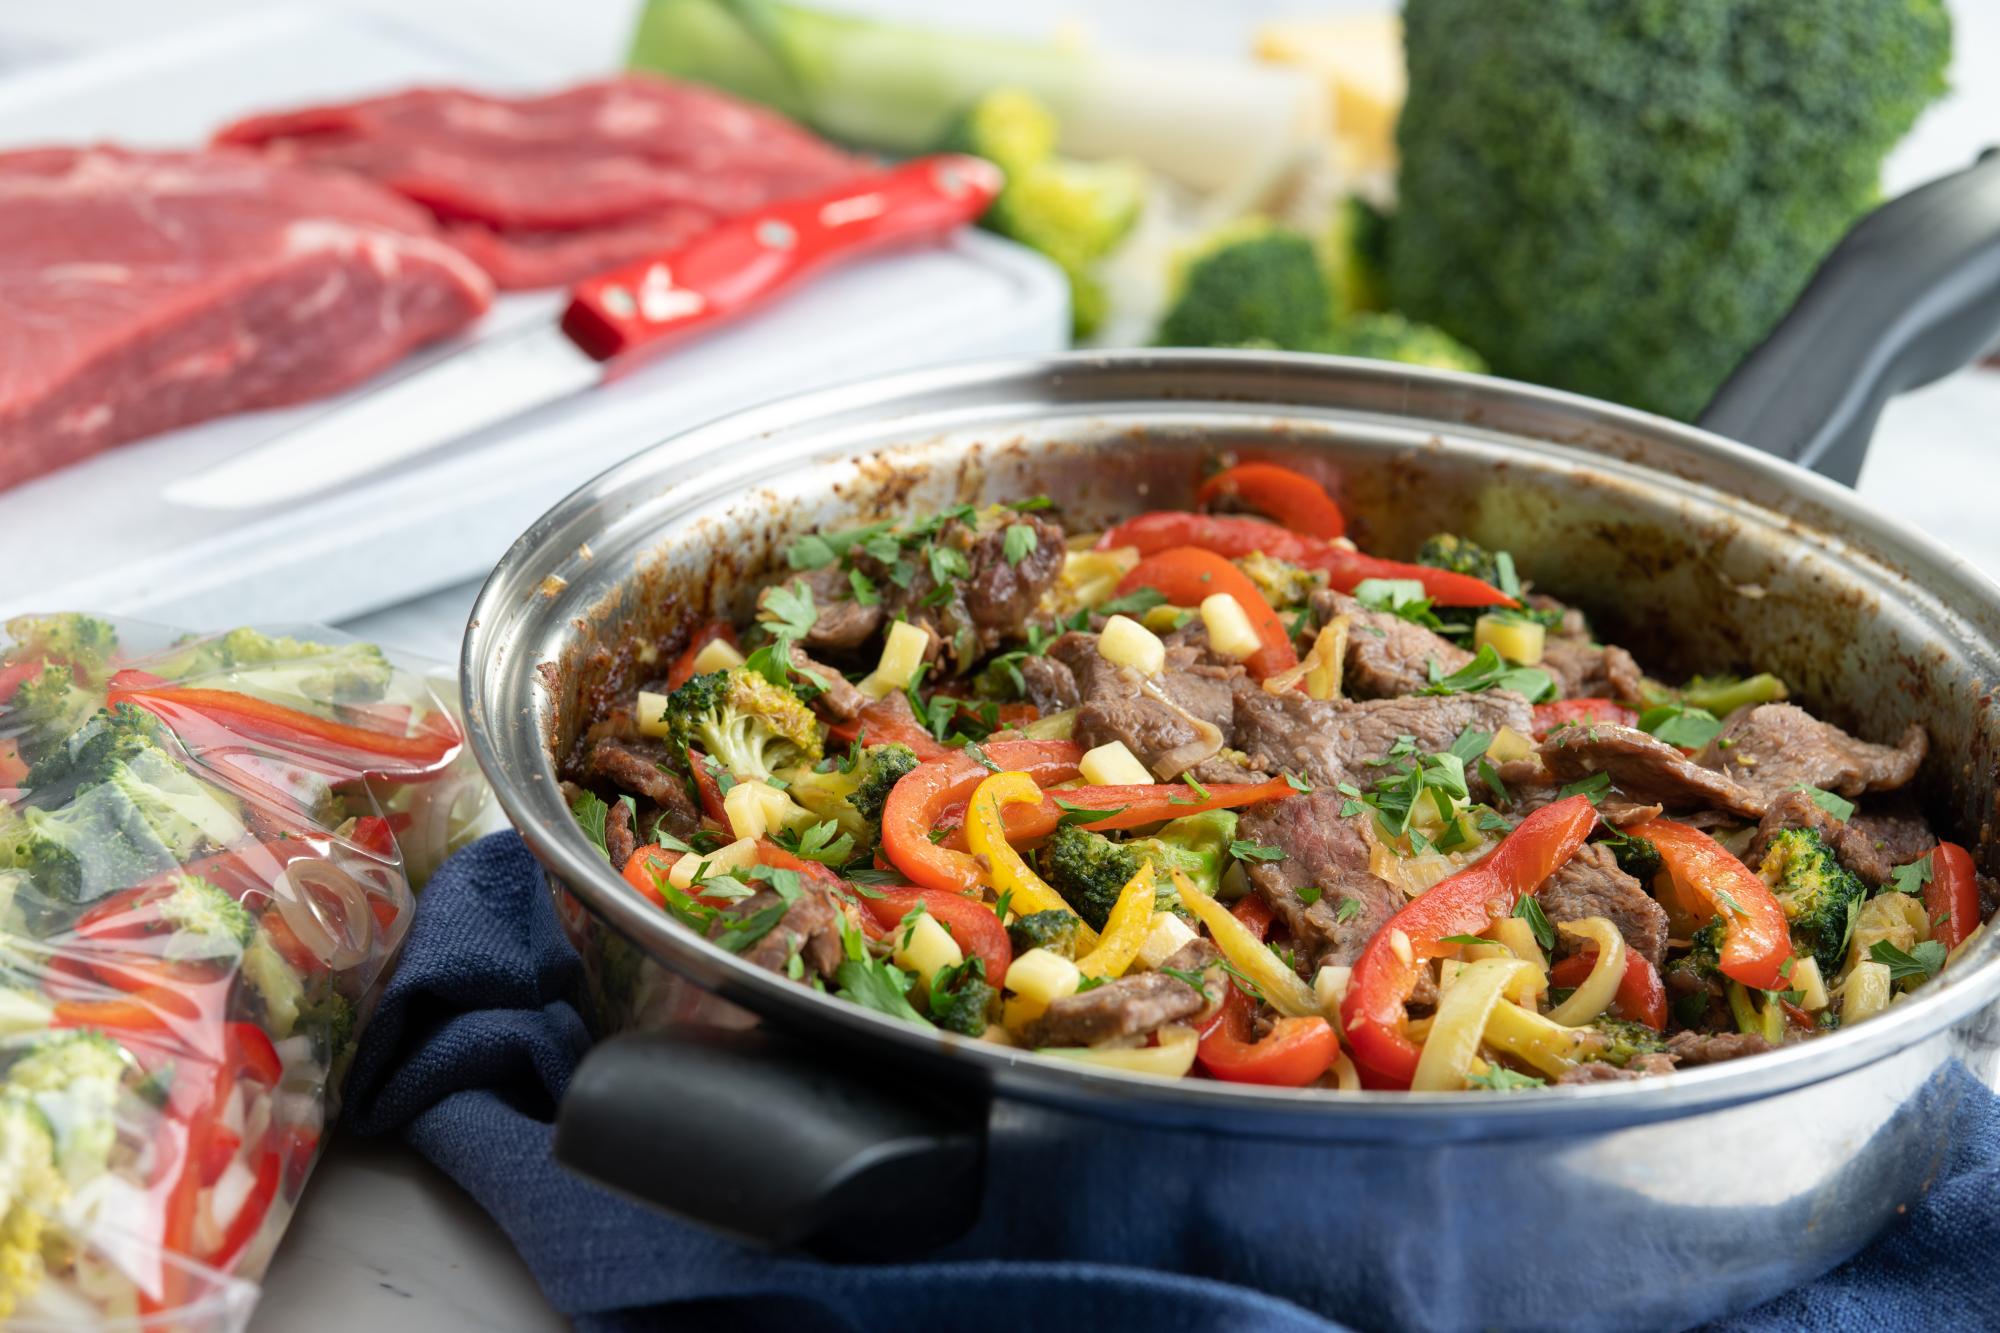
[{"x": 613, "y": 322}]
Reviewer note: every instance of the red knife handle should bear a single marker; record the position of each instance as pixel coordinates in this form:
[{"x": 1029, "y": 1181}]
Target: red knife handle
[{"x": 740, "y": 262}]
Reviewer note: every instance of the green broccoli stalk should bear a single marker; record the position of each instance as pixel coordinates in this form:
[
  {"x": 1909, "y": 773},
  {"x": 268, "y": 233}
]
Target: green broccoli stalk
[
  {"x": 303, "y": 669},
  {"x": 961, "y": 999},
  {"x": 1054, "y": 930},
  {"x": 1195, "y": 845},
  {"x": 1088, "y": 870},
  {"x": 1251, "y": 281},
  {"x": 82, "y": 642},
  {"x": 1819, "y": 894},
  {"x": 853, "y": 795},
  {"x": 1074, "y": 212},
  {"x": 1623, "y": 199},
  {"x": 744, "y": 722}
]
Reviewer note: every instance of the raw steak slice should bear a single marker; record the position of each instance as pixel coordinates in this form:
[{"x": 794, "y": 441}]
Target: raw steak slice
[
  {"x": 550, "y": 189},
  {"x": 140, "y": 292}
]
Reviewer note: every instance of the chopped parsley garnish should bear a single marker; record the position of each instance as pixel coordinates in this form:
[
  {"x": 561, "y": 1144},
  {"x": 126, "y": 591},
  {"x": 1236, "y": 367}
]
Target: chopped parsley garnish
[
  {"x": 1349, "y": 909},
  {"x": 870, "y": 982},
  {"x": 864, "y": 588},
  {"x": 1503, "y": 570},
  {"x": 1019, "y": 542},
  {"x": 1135, "y": 603},
  {"x": 1297, "y": 784},
  {"x": 1084, "y": 814},
  {"x": 591, "y": 814},
  {"x": 1529, "y": 910},
  {"x": 983, "y": 759},
  {"x": 1683, "y": 725},
  {"x": 1834, "y": 804},
  {"x": 1195, "y": 979},
  {"x": 1462, "y": 939},
  {"x": 1311, "y": 894},
  {"x": 1489, "y": 671},
  {"x": 1593, "y": 787},
  {"x": 788, "y": 610},
  {"x": 1243, "y": 983},
  {"x": 1200, "y": 791},
  {"x": 1491, "y": 777},
  {"x": 1923, "y": 960},
  {"x": 1252, "y": 851},
  {"x": 1912, "y": 877},
  {"x": 822, "y": 842}
]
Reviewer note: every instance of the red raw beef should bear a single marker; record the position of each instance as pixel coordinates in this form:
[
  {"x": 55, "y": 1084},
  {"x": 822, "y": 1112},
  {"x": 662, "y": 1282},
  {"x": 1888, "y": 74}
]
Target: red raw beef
[
  {"x": 144, "y": 291},
  {"x": 547, "y": 190}
]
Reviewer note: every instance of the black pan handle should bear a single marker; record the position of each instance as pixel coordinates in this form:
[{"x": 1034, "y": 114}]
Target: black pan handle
[
  {"x": 1908, "y": 296},
  {"x": 783, "y": 1147}
]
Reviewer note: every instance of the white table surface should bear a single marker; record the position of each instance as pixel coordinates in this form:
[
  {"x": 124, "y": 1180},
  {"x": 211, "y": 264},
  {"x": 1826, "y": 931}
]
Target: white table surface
[{"x": 384, "y": 1240}]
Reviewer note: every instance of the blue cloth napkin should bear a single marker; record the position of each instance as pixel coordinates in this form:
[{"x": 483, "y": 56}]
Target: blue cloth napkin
[{"x": 476, "y": 1038}]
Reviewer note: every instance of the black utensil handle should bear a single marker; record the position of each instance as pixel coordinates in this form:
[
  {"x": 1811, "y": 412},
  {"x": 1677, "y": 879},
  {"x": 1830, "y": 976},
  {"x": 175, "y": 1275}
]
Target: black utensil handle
[
  {"x": 757, "y": 1136},
  {"x": 1909, "y": 295}
]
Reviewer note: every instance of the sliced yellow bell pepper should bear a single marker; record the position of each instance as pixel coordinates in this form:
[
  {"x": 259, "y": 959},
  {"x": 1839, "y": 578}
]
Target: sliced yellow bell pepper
[
  {"x": 986, "y": 835},
  {"x": 1281, "y": 986},
  {"x": 1172, "y": 1058},
  {"x": 1548, "y": 1046},
  {"x": 1125, "y": 930},
  {"x": 1462, "y": 1014}
]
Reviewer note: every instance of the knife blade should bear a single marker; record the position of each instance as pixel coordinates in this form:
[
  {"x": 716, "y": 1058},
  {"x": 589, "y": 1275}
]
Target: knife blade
[{"x": 613, "y": 322}]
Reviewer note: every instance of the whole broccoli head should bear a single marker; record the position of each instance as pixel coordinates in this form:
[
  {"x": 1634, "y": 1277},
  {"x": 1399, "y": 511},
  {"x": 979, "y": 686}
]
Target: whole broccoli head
[
  {"x": 1195, "y": 845},
  {"x": 1250, "y": 281},
  {"x": 853, "y": 796},
  {"x": 1074, "y": 212},
  {"x": 961, "y": 999},
  {"x": 84, "y": 642},
  {"x": 1622, "y": 199},
  {"x": 1054, "y": 930},
  {"x": 280, "y": 665},
  {"x": 1817, "y": 892},
  {"x": 744, "y": 722},
  {"x": 1461, "y": 555},
  {"x": 1088, "y": 870},
  {"x": 1388, "y": 336}
]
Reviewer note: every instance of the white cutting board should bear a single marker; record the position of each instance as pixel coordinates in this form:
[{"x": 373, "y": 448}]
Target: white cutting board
[{"x": 98, "y": 535}]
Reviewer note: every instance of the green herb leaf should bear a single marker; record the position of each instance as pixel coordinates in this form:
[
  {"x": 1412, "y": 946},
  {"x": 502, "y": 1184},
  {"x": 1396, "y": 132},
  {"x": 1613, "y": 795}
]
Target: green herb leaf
[
  {"x": 740, "y": 932},
  {"x": 591, "y": 814},
  {"x": 1251, "y": 851},
  {"x": 1311, "y": 894},
  {"x": 1499, "y": 1078},
  {"x": 1503, "y": 570},
  {"x": 865, "y": 593},
  {"x": 1489, "y": 671},
  {"x": 1297, "y": 783},
  {"x": 1912, "y": 877},
  {"x": 1084, "y": 814},
  {"x": 1491, "y": 777},
  {"x": 788, "y": 610},
  {"x": 822, "y": 842},
  {"x": 1529, "y": 910},
  {"x": 1031, "y": 504},
  {"x": 1922, "y": 961},
  {"x": 871, "y": 983},
  {"x": 1349, "y": 909},
  {"x": 1462, "y": 939},
  {"x": 984, "y": 760},
  {"x": 948, "y": 563},
  {"x": 1195, "y": 979},
  {"x": 1135, "y": 603},
  {"x": 1019, "y": 542},
  {"x": 1200, "y": 791},
  {"x": 1593, "y": 787},
  {"x": 1680, "y": 724},
  {"x": 1834, "y": 804}
]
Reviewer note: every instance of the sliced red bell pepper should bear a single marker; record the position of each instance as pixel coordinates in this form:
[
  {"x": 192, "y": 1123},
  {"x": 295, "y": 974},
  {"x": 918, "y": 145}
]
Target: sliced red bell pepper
[
  {"x": 777, "y": 858},
  {"x": 646, "y": 867},
  {"x": 1292, "y": 1054},
  {"x": 708, "y": 788},
  {"x": 1133, "y": 806},
  {"x": 1292, "y": 498},
  {"x": 682, "y": 670},
  {"x": 974, "y": 926},
  {"x": 1641, "y": 995},
  {"x": 113, "y": 936},
  {"x": 1466, "y": 903},
  {"x": 13, "y": 772},
  {"x": 196, "y": 714},
  {"x": 149, "y": 1010},
  {"x": 1564, "y": 711},
  {"x": 888, "y": 721},
  {"x": 1184, "y": 575},
  {"x": 1254, "y": 913},
  {"x": 1951, "y": 898},
  {"x": 1756, "y": 940},
  {"x": 915, "y": 804},
  {"x": 1345, "y": 569},
  {"x": 255, "y": 1208},
  {"x": 376, "y": 834}
]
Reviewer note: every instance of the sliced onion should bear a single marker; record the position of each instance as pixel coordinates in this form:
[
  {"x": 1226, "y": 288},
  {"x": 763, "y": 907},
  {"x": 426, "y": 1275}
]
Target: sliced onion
[
  {"x": 232, "y": 1189},
  {"x": 1205, "y": 746},
  {"x": 328, "y": 911}
]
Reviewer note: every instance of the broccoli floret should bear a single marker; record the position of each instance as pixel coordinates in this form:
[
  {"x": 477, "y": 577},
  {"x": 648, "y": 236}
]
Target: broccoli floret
[
  {"x": 1354, "y": 252},
  {"x": 84, "y": 642},
  {"x": 1074, "y": 212},
  {"x": 91, "y": 846},
  {"x": 275, "y": 664},
  {"x": 1054, "y": 930},
  {"x": 104, "y": 741},
  {"x": 1819, "y": 894},
  {"x": 1637, "y": 857},
  {"x": 1195, "y": 845},
  {"x": 1250, "y": 281},
  {"x": 1088, "y": 870},
  {"x": 30, "y": 1190},
  {"x": 1622, "y": 199},
  {"x": 276, "y": 983},
  {"x": 1625, "y": 1040},
  {"x": 207, "y": 922},
  {"x": 1388, "y": 336},
  {"x": 744, "y": 722},
  {"x": 1282, "y": 584},
  {"x": 46, "y": 708},
  {"x": 853, "y": 798},
  {"x": 961, "y": 999},
  {"x": 1461, "y": 555},
  {"x": 74, "y": 1078}
]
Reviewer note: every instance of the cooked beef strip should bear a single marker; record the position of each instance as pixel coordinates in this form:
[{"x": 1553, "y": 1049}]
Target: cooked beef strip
[
  {"x": 1643, "y": 769},
  {"x": 809, "y": 928},
  {"x": 1585, "y": 670},
  {"x": 1895, "y": 829},
  {"x": 1597, "y": 1071},
  {"x": 1709, "y": 1048},
  {"x": 1000, "y": 596},
  {"x": 1773, "y": 747},
  {"x": 1574, "y": 624},
  {"x": 1387, "y": 656},
  {"x": 1330, "y": 741},
  {"x": 1591, "y": 884},
  {"x": 1682, "y": 982},
  {"x": 1323, "y": 851},
  {"x": 840, "y": 624},
  {"x": 619, "y": 840},
  {"x": 1051, "y": 685},
  {"x": 1115, "y": 704},
  {"x": 1197, "y": 955},
  {"x": 1224, "y": 769},
  {"x": 838, "y": 698},
  {"x": 1131, "y": 1006},
  {"x": 635, "y": 766},
  {"x": 1850, "y": 842}
]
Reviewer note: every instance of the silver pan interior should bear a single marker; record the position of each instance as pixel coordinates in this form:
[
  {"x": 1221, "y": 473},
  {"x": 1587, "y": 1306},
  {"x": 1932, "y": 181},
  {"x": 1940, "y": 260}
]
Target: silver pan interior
[{"x": 1693, "y": 551}]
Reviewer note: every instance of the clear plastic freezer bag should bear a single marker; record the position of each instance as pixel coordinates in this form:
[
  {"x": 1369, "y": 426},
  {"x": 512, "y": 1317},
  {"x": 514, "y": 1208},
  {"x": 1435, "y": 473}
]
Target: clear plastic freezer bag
[{"x": 208, "y": 850}]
